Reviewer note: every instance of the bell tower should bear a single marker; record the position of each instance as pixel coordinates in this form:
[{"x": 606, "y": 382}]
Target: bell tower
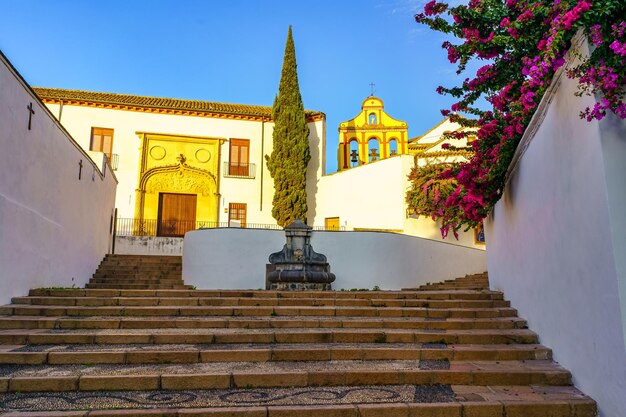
[{"x": 370, "y": 136}]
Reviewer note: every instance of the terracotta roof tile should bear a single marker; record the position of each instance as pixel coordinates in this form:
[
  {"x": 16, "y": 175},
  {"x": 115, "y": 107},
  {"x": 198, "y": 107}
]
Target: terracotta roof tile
[{"x": 158, "y": 102}]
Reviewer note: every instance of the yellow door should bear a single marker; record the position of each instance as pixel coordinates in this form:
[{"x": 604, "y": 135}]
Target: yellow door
[{"x": 331, "y": 223}]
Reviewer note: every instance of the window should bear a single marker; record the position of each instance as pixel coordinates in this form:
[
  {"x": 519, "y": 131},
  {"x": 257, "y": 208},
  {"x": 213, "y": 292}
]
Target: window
[
  {"x": 237, "y": 213},
  {"x": 373, "y": 119},
  {"x": 102, "y": 141},
  {"x": 239, "y": 164}
]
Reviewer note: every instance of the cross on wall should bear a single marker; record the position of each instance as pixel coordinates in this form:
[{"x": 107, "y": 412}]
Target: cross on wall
[{"x": 31, "y": 112}]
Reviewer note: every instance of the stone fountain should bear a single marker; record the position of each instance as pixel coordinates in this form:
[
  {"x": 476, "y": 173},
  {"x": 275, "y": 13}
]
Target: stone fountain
[{"x": 298, "y": 267}]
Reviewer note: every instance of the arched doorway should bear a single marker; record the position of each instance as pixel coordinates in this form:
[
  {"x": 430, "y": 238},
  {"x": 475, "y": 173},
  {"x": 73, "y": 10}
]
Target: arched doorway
[{"x": 172, "y": 198}]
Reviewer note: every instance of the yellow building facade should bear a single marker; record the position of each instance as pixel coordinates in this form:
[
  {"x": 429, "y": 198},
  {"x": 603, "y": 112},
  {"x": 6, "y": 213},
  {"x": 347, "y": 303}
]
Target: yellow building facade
[
  {"x": 178, "y": 182},
  {"x": 370, "y": 136}
]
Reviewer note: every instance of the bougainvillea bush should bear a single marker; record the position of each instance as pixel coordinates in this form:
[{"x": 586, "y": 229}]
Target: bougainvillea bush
[{"x": 520, "y": 44}]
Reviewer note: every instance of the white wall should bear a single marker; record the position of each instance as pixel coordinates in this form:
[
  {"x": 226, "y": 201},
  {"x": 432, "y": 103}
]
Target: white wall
[
  {"x": 236, "y": 258},
  {"x": 372, "y": 196},
  {"x": 556, "y": 241},
  {"x": 148, "y": 245},
  {"x": 368, "y": 196},
  {"x": 54, "y": 229}
]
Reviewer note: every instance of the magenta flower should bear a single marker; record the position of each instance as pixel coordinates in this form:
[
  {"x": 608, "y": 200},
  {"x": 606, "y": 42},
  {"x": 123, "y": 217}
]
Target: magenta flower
[{"x": 595, "y": 33}]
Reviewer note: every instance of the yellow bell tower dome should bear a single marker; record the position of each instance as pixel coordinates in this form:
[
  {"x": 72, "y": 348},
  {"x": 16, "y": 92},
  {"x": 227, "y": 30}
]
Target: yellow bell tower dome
[{"x": 370, "y": 136}]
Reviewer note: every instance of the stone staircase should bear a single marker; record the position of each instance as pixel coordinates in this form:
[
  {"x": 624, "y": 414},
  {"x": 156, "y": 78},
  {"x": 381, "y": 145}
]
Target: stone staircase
[
  {"x": 175, "y": 353},
  {"x": 139, "y": 272},
  {"x": 468, "y": 282}
]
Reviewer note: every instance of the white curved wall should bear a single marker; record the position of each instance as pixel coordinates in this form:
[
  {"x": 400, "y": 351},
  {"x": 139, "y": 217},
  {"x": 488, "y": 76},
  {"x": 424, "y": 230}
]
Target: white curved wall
[{"x": 234, "y": 258}]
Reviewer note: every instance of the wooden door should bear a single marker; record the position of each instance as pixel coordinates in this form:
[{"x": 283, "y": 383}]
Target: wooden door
[
  {"x": 331, "y": 223},
  {"x": 239, "y": 157},
  {"x": 177, "y": 214},
  {"x": 237, "y": 211}
]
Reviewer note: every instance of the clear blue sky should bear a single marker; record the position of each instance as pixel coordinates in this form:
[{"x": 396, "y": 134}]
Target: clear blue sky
[{"x": 231, "y": 51}]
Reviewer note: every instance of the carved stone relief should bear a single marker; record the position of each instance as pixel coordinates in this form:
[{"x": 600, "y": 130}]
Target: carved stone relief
[
  {"x": 203, "y": 155},
  {"x": 182, "y": 179},
  {"x": 157, "y": 152}
]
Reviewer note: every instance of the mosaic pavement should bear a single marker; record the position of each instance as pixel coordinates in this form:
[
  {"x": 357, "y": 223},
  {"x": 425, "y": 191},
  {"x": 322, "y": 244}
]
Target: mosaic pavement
[{"x": 226, "y": 398}]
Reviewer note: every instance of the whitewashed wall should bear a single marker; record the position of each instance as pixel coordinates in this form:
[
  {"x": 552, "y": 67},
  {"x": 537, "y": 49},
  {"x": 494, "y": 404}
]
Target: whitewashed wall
[
  {"x": 148, "y": 245},
  {"x": 236, "y": 258},
  {"x": 368, "y": 196},
  {"x": 54, "y": 229},
  {"x": 556, "y": 241},
  {"x": 372, "y": 196}
]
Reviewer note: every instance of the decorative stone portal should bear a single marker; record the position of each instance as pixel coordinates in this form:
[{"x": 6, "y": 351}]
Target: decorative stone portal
[{"x": 298, "y": 267}]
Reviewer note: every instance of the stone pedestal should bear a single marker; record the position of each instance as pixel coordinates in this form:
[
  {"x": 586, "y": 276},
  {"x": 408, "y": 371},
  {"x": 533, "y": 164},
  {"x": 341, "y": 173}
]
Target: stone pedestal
[{"x": 298, "y": 267}]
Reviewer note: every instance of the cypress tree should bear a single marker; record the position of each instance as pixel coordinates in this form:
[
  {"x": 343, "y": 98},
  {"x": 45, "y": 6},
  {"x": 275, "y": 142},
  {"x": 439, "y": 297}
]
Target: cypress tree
[{"x": 291, "y": 154}]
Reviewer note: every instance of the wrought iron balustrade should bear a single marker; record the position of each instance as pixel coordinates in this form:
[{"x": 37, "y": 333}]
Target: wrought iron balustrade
[
  {"x": 114, "y": 160},
  {"x": 239, "y": 170},
  {"x": 177, "y": 228}
]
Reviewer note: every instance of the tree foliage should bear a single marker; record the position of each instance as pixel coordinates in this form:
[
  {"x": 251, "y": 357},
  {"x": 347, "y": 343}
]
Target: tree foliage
[
  {"x": 522, "y": 43},
  {"x": 291, "y": 154},
  {"x": 430, "y": 189}
]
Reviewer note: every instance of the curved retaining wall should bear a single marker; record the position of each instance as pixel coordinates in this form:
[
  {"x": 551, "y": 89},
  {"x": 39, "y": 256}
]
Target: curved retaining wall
[{"x": 232, "y": 258}]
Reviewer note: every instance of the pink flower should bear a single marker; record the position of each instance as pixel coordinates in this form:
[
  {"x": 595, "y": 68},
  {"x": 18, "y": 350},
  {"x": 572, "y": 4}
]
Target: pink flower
[
  {"x": 618, "y": 47},
  {"x": 528, "y": 100},
  {"x": 433, "y": 8},
  {"x": 513, "y": 32},
  {"x": 595, "y": 32}
]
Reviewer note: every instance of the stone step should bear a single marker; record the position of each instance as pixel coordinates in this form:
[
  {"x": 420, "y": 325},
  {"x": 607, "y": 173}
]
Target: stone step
[
  {"x": 132, "y": 266},
  {"x": 38, "y": 322},
  {"x": 138, "y": 272},
  {"x": 229, "y": 336},
  {"x": 151, "y": 354},
  {"x": 340, "y": 401},
  {"x": 138, "y": 279},
  {"x": 142, "y": 265},
  {"x": 143, "y": 257},
  {"x": 337, "y": 311},
  {"x": 223, "y": 375},
  {"x": 123, "y": 269},
  {"x": 402, "y": 295},
  {"x": 457, "y": 287},
  {"x": 232, "y": 301},
  {"x": 137, "y": 286}
]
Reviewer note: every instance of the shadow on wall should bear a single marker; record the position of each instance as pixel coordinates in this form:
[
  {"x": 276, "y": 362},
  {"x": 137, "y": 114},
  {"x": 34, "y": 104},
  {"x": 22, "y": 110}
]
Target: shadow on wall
[{"x": 311, "y": 174}]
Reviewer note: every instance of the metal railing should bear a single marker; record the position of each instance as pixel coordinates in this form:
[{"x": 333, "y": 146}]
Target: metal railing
[
  {"x": 114, "y": 160},
  {"x": 239, "y": 170},
  {"x": 178, "y": 228}
]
